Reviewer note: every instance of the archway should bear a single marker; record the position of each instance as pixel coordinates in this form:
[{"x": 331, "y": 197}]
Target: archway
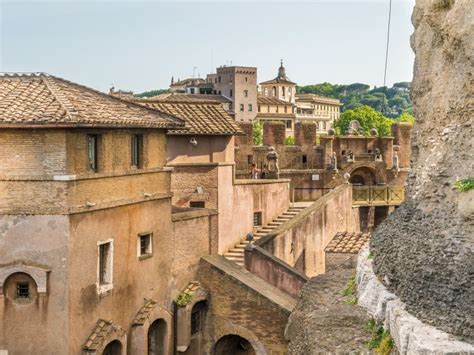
[
  {"x": 362, "y": 176},
  {"x": 113, "y": 348},
  {"x": 233, "y": 344},
  {"x": 157, "y": 337}
]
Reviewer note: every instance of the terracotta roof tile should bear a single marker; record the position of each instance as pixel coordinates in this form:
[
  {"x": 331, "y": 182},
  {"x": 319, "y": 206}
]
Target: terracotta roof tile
[
  {"x": 268, "y": 100},
  {"x": 101, "y": 330},
  {"x": 347, "y": 242},
  {"x": 42, "y": 100},
  {"x": 201, "y": 118},
  {"x": 144, "y": 312},
  {"x": 278, "y": 81},
  {"x": 190, "y": 98}
]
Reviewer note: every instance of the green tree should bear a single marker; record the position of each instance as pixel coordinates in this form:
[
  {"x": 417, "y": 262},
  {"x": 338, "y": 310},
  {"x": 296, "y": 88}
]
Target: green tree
[
  {"x": 405, "y": 117},
  {"x": 290, "y": 140},
  {"x": 152, "y": 93},
  {"x": 257, "y": 133},
  {"x": 368, "y": 118}
]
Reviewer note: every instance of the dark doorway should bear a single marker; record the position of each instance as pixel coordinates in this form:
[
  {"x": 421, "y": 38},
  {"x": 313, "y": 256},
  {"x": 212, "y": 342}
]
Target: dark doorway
[
  {"x": 233, "y": 344},
  {"x": 157, "y": 337},
  {"x": 357, "y": 180},
  {"x": 113, "y": 348}
]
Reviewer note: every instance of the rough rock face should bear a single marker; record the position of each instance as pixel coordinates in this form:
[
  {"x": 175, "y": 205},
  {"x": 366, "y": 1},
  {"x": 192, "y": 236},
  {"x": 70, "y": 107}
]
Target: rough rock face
[{"x": 424, "y": 250}]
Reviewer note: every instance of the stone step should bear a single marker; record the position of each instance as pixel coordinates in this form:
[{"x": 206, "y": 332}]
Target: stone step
[
  {"x": 275, "y": 223},
  {"x": 235, "y": 258},
  {"x": 238, "y": 253}
]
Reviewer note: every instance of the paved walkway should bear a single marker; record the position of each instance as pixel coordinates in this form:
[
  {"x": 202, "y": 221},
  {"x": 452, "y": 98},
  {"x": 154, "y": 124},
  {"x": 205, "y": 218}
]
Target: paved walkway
[{"x": 323, "y": 322}]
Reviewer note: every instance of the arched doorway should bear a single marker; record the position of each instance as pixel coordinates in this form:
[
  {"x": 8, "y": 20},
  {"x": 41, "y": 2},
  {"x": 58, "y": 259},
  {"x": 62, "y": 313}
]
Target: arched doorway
[
  {"x": 362, "y": 176},
  {"x": 233, "y": 344},
  {"x": 157, "y": 337},
  {"x": 113, "y": 348}
]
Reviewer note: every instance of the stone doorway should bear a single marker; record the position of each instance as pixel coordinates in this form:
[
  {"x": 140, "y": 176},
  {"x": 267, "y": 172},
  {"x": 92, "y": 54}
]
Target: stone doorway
[
  {"x": 362, "y": 177},
  {"x": 113, "y": 348},
  {"x": 157, "y": 337},
  {"x": 233, "y": 344}
]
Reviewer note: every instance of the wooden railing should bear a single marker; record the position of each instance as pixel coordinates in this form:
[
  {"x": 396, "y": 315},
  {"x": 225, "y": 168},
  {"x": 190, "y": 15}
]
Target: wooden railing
[{"x": 377, "y": 195}]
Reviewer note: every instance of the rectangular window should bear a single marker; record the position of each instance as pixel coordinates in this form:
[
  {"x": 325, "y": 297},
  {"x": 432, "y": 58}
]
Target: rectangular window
[
  {"x": 230, "y": 93},
  {"x": 137, "y": 150},
  {"x": 304, "y": 158},
  {"x": 145, "y": 244},
  {"x": 258, "y": 108},
  {"x": 197, "y": 204},
  {"x": 105, "y": 267},
  {"x": 246, "y": 93},
  {"x": 242, "y": 107},
  {"x": 92, "y": 152},
  {"x": 22, "y": 290},
  {"x": 257, "y": 218},
  {"x": 250, "y": 159},
  {"x": 288, "y": 124},
  {"x": 250, "y": 107}
]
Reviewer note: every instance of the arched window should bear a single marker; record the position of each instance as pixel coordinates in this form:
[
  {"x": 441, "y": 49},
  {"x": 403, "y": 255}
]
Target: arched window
[
  {"x": 283, "y": 91},
  {"x": 20, "y": 288},
  {"x": 274, "y": 91}
]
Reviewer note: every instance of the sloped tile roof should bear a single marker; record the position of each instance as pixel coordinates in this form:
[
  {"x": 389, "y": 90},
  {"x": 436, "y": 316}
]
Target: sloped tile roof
[
  {"x": 190, "y": 98},
  {"x": 100, "y": 332},
  {"x": 347, "y": 242},
  {"x": 268, "y": 100},
  {"x": 42, "y": 100},
  {"x": 144, "y": 312},
  {"x": 202, "y": 118},
  {"x": 278, "y": 81}
]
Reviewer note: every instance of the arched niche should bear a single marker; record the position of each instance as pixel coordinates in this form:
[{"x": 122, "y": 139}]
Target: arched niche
[
  {"x": 150, "y": 313},
  {"x": 38, "y": 274}
]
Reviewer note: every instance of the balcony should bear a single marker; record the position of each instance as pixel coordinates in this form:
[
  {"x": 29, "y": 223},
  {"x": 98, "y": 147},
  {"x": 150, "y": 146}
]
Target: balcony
[{"x": 377, "y": 195}]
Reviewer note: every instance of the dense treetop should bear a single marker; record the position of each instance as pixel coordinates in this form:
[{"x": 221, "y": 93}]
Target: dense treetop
[{"x": 391, "y": 101}]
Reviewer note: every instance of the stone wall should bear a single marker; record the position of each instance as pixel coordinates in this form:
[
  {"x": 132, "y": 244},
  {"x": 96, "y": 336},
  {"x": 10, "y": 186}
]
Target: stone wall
[
  {"x": 300, "y": 242},
  {"x": 244, "y": 305},
  {"x": 424, "y": 250},
  {"x": 274, "y": 271}
]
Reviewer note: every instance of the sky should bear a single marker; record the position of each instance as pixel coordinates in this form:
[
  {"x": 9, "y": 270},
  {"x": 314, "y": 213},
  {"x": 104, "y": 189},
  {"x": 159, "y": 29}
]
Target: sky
[{"x": 137, "y": 45}]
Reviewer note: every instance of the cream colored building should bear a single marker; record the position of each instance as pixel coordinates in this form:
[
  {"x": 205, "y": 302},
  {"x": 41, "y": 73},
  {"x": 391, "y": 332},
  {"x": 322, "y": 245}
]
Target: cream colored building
[
  {"x": 280, "y": 88},
  {"x": 273, "y": 109},
  {"x": 321, "y": 110}
]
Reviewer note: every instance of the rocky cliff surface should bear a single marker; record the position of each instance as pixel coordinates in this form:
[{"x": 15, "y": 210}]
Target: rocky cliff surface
[{"x": 424, "y": 251}]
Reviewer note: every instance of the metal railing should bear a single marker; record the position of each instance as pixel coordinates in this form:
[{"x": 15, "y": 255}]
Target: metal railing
[{"x": 377, "y": 195}]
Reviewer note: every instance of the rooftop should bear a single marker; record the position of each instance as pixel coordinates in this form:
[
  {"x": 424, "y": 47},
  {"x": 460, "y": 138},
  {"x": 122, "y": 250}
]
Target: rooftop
[
  {"x": 280, "y": 81},
  {"x": 42, "y": 101},
  {"x": 347, "y": 242},
  {"x": 202, "y": 118},
  {"x": 190, "y": 98},
  {"x": 317, "y": 99},
  {"x": 268, "y": 100}
]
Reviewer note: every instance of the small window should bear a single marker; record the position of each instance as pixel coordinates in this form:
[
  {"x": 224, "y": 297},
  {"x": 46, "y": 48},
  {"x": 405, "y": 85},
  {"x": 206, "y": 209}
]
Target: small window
[
  {"x": 324, "y": 125},
  {"x": 23, "y": 290},
  {"x": 304, "y": 159},
  {"x": 283, "y": 91},
  {"x": 145, "y": 244},
  {"x": 286, "y": 109},
  {"x": 230, "y": 93},
  {"x": 192, "y": 91},
  {"x": 137, "y": 150},
  {"x": 219, "y": 79},
  {"x": 246, "y": 79},
  {"x": 246, "y": 93},
  {"x": 258, "y": 108},
  {"x": 250, "y": 159},
  {"x": 250, "y": 107},
  {"x": 105, "y": 267},
  {"x": 242, "y": 107},
  {"x": 274, "y": 91},
  {"x": 288, "y": 125},
  {"x": 197, "y": 204},
  {"x": 92, "y": 152},
  {"x": 257, "y": 218}
]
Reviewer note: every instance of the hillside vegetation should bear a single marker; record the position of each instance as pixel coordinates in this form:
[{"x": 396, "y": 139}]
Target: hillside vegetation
[{"x": 391, "y": 101}]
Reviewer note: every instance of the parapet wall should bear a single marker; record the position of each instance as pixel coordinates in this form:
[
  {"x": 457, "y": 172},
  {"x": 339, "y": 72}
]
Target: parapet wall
[{"x": 300, "y": 242}]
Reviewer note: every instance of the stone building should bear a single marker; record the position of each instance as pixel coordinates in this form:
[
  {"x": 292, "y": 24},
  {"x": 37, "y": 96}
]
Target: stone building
[
  {"x": 82, "y": 180},
  {"x": 239, "y": 84}
]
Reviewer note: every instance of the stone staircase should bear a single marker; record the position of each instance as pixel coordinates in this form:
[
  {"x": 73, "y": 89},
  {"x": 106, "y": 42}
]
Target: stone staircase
[{"x": 236, "y": 254}]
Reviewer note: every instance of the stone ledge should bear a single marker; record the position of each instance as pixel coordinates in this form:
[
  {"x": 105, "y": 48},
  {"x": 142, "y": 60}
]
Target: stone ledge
[{"x": 410, "y": 335}]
